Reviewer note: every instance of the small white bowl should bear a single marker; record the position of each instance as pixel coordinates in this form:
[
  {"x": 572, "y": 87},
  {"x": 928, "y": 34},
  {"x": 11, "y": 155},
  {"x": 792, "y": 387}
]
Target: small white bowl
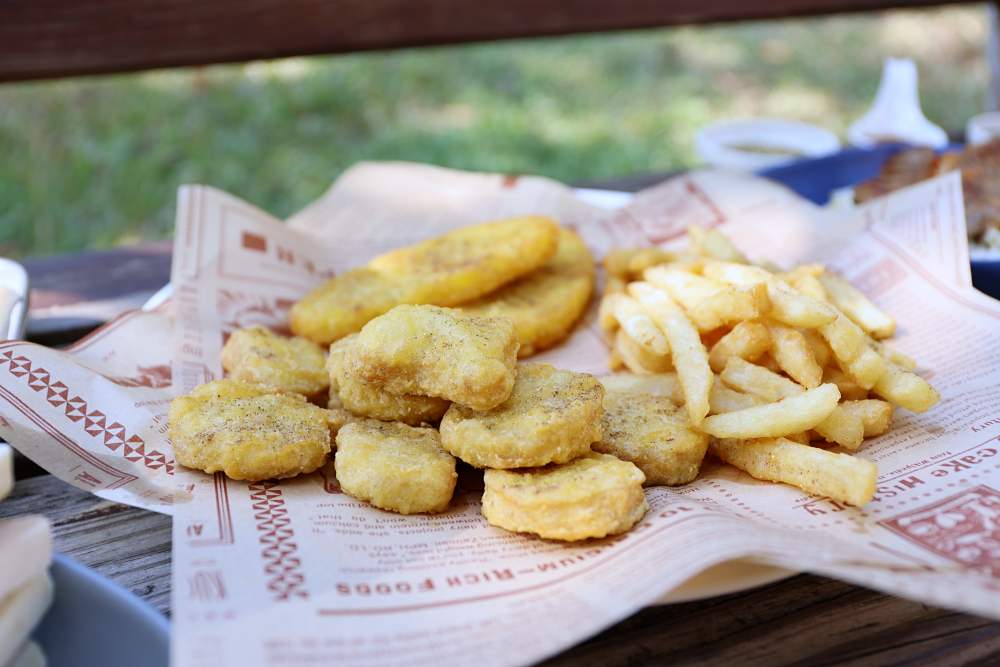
[{"x": 751, "y": 145}]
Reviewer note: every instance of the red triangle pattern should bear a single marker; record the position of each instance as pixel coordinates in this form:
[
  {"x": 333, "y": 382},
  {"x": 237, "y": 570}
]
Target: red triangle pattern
[
  {"x": 280, "y": 551},
  {"x": 95, "y": 422}
]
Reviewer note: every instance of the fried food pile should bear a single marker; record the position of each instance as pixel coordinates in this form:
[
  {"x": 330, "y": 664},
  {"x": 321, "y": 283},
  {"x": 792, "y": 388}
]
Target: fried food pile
[
  {"x": 980, "y": 166},
  {"x": 528, "y": 269},
  {"x": 782, "y": 374}
]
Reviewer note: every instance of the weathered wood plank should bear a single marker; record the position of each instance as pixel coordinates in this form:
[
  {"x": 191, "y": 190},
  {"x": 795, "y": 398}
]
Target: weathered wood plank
[
  {"x": 805, "y": 620},
  {"x": 129, "y": 545},
  {"x": 48, "y": 38}
]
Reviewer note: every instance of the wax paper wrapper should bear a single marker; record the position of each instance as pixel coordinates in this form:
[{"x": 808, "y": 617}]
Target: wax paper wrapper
[{"x": 297, "y": 573}]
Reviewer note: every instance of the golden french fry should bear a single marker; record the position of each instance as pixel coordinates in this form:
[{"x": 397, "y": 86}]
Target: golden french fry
[
  {"x": 686, "y": 288},
  {"x": 689, "y": 355},
  {"x": 617, "y": 260},
  {"x": 849, "y": 389},
  {"x": 793, "y": 414},
  {"x": 893, "y": 355},
  {"x": 730, "y": 305},
  {"x": 615, "y": 361},
  {"x": 837, "y": 427},
  {"x": 875, "y": 415},
  {"x": 801, "y": 438},
  {"x": 713, "y": 243},
  {"x": 853, "y": 303},
  {"x": 845, "y": 338},
  {"x": 639, "y": 326},
  {"x": 866, "y": 368},
  {"x": 606, "y": 312},
  {"x": 787, "y": 306},
  {"x": 747, "y": 340},
  {"x": 758, "y": 381},
  {"x": 638, "y": 359},
  {"x": 647, "y": 257},
  {"x": 658, "y": 384},
  {"x": 723, "y": 399},
  {"x": 794, "y": 356},
  {"x": 905, "y": 389},
  {"x": 842, "y": 427},
  {"x": 821, "y": 351},
  {"x": 804, "y": 279},
  {"x": 842, "y": 477}
]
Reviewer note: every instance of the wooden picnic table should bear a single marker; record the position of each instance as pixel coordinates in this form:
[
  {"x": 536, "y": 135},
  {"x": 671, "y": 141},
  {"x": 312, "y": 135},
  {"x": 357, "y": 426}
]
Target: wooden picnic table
[{"x": 802, "y": 620}]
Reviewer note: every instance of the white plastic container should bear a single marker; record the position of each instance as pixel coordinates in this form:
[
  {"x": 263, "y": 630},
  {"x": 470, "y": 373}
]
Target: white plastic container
[{"x": 754, "y": 144}]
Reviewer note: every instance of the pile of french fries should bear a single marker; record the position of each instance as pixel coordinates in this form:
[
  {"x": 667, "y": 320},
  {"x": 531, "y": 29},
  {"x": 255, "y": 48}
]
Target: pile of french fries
[{"x": 785, "y": 370}]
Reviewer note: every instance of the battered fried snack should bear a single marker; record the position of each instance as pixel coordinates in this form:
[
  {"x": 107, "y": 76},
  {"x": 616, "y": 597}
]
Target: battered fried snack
[
  {"x": 260, "y": 356},
  {"x": 593, "y": 496},
  {"x": 434, "y": 351},
  {"x": 453, "y": 268},
  {"x": 395, "y": 467},
  {"x": 546, "y": 303},
  {"x": 248, "y": 432},
  {"x": 653, "y": 434},
  {"x": 552, "y": 416},
  {"x": 369, "y": 400}
]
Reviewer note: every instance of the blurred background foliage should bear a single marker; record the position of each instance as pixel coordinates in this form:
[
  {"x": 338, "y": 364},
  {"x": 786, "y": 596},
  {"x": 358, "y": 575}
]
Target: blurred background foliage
[{"x": 95, "y": 162}]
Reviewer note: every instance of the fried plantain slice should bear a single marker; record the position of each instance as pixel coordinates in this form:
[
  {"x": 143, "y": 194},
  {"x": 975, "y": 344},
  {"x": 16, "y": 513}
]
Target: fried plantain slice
[
  {"x": 592, "y": 496},
  {"x": 432, "y": 351},
  {"x": 552, "y": 416},
  {"x": 545, "y": 304},
  {"x": 367, "y": 399},
  {"x": 395, "y": 467},
  {"x": 453, "y": 268},
  {"x": 260, "y": 356},
  {"x": 248, "y": 432},
  {"x": 652, "y": 433}
]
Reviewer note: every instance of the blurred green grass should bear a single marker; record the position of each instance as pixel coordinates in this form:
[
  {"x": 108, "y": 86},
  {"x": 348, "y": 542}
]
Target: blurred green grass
[{"x": 96, "y": 162}]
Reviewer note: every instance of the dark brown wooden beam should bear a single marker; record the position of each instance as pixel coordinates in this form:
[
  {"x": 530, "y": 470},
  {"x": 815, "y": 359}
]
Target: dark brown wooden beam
[{"x": 55, "y": 38}]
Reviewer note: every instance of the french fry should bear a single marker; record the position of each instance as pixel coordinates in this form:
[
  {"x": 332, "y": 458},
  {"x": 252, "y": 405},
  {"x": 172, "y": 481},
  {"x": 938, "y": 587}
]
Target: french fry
[
  {"x": 659, "y": 384},
  {"x": 810, "y": 286},
  {"x": 723, "y": 399},
  {"x": 637, "y": 324},
  {"x": 789, "y": 415},
  {"x": 747, "y": 340},
  {"x": 617, "y": 260},
  {"x": 849, "y": 389},
  {"x": 787, "y": 306},
  {"x": 866, "y": 368},
  {"x": 801, "y": 438},
  {"x": 844, "y": 429},
  {"x": 647, "y": 257},
  {"x": 689, "y": 355},
  {"x": 758, "y": 381},
  {"x": 614, "y": 288},
  {"x": 893, "y": 355},
  {"x": 714, "y": 244},
  {"x": 853, "y": 303},
  {"x": 730, "y": 305},
  {"x": 845, "y": 338},
  {"x": 875, "y": 415},
  {"x": 615, "y": 362},
  {"x": 841, "y": 477},
  {"x": 821, "y": 351},
  {"x": 794, "y": 355},
  {"x": 638, "y": 359},
  {"x": 905, "y": 389},
  {"x": 686, "y": 288}
]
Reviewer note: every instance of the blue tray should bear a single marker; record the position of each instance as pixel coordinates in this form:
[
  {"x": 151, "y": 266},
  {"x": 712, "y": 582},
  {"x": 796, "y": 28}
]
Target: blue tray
[
  {"x": 816, "y": 178},
  {"x": 94, "y": 622}
]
